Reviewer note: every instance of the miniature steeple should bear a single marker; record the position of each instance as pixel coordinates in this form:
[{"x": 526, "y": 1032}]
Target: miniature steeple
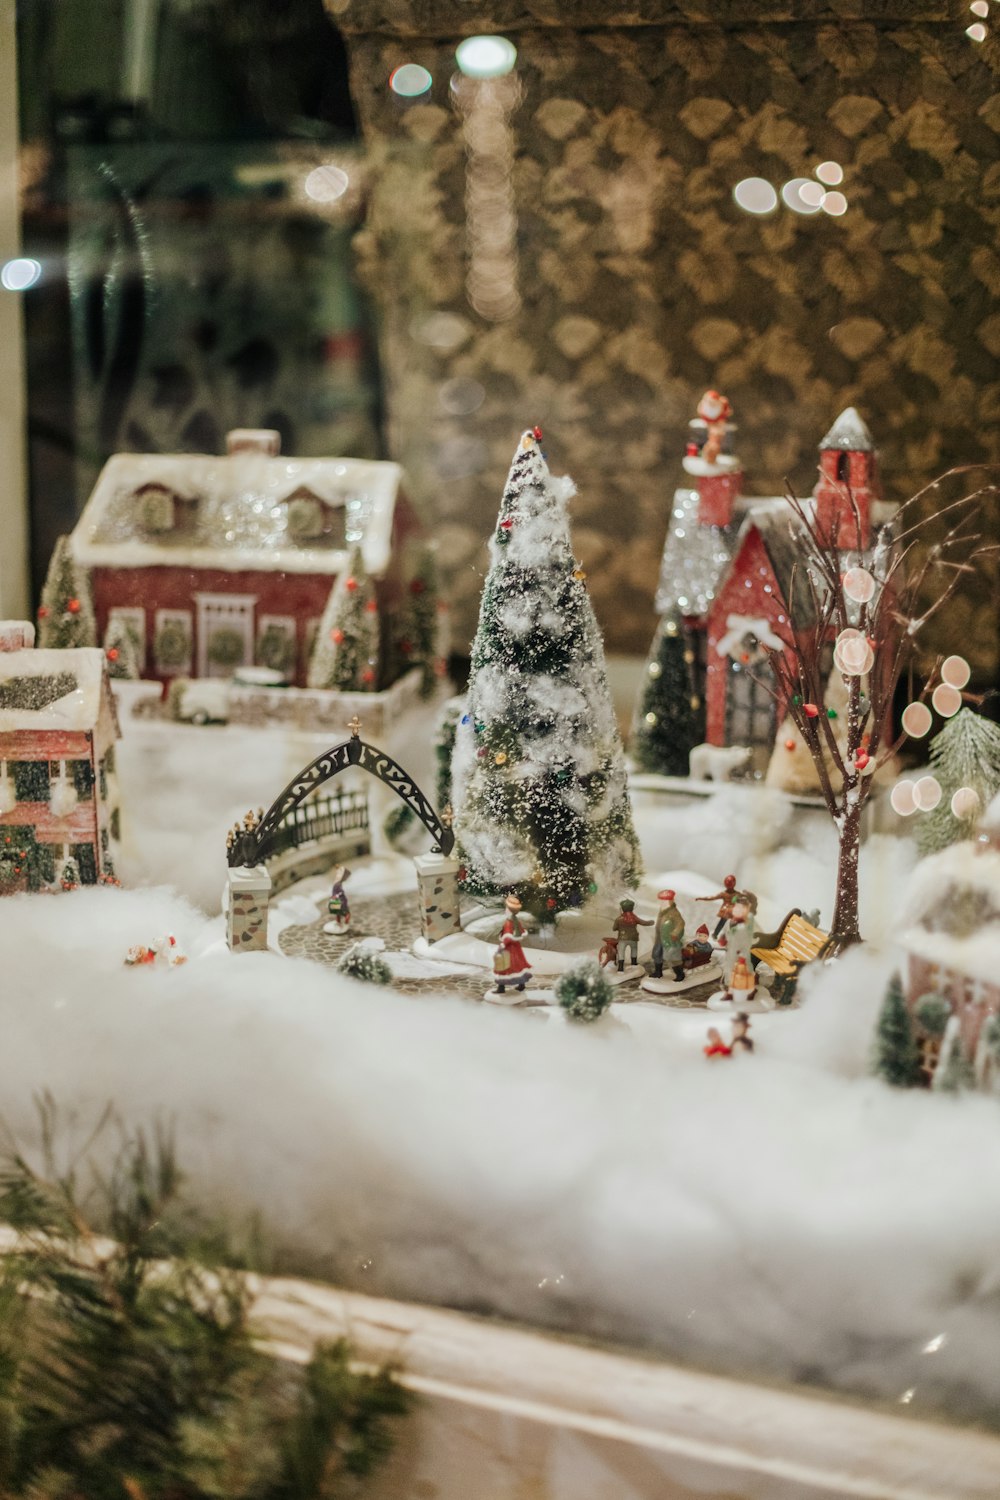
[
  {"x": 711, "y": 462},
  {"x": 847, "y": 472}
]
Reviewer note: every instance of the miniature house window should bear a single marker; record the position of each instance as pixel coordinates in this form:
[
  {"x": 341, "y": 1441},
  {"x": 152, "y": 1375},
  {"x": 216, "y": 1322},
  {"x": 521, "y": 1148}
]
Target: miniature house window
[
  {"x": 172, "y": 641},
  {"x": 930, "y": 1052},
  {"x": 133, "y": 621},
  {"x": 109, "y": 760},
  {"x": 306, "y": 516},
  {"x": 843, "y": 467},
  {"x": 156, "y": 507},
  {"x": 105, "y": 841},
  {"x": 276, "y": 644},
  {"x": 102, "y": 781},
  {"x": 86, "y": 863},
  {"x": 31, "y": 780},
  {"x": 115, "y": 823},
  {"x": 83, "y": 777}
]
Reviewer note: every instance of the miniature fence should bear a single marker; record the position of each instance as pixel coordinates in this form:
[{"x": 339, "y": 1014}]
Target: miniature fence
[{"x": 319, "y": 828}]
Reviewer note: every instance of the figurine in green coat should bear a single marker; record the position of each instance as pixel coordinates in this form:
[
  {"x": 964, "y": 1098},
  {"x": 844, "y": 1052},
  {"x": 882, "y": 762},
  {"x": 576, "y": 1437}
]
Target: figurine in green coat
[{"x": 668, "y": 937}]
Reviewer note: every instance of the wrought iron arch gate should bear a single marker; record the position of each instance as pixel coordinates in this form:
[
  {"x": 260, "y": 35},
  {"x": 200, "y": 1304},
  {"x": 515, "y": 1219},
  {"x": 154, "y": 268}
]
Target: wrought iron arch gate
[{"x": 248, "y": 844}]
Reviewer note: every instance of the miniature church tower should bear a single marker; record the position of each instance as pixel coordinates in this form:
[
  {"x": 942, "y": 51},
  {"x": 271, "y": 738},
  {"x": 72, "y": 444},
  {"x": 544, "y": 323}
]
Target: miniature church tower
[{"x": 847, "y": 473}]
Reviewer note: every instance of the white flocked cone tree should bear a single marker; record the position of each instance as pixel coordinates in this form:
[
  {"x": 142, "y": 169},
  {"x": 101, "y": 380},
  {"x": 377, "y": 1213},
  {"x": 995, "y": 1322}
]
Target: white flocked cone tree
[{"x": 538, "y": 776}]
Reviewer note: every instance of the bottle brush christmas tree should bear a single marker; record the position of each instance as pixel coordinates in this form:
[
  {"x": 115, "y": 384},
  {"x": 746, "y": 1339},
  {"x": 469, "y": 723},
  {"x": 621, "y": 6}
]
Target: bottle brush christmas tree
[
  {"x": 966, "y": 753},
  {"x": 346, "y": 654},
  {"x": 66, "y": 613},
  {"x": 896, "y": 1055},
  {"x": 121, "y": 650},
  {"x": 670, "y": 718},
  {"x": 538, "y": 776}
]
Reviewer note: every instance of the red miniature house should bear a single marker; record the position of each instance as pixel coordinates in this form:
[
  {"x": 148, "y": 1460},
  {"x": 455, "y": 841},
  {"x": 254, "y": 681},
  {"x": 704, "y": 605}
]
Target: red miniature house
[
  {"x": 848, "y": 483},
  {"x": 58, "y": 790},
  {"x": 729, "y": 572},
  {"x": 206, "y": 557}
]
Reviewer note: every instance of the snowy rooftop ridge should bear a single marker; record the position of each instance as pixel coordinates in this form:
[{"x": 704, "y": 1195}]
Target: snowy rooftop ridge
[
  {"x": 78, "y": 671},
  {"x": 849, "y": 433},
  {"x": 241, "y": 519}
]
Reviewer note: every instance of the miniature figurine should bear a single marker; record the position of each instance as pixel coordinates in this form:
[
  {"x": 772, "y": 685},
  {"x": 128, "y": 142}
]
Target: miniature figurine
[
  {"x": 739, "y": 939},
  {"x": 726, "y": 896},
  {"x": 338, "y": 905},
  {"x": 741, "y": 981},
  {"x": 668, "y": 938},
  {"x": 742, "y": 1041},
  {"x": 626, "y": 926},
  {"x": 510, "y": 965},
  {"x": 164, "y": 952},
  {"x": 716, "y": 1046}
]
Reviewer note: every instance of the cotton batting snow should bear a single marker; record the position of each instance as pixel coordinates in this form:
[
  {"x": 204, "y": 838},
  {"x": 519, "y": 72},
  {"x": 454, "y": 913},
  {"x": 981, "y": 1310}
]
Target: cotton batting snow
[{"x": 780, "y": 1215}]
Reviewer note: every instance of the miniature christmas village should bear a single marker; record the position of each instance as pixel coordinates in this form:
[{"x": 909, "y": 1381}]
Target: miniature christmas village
[{"x": 786, "y": 629}]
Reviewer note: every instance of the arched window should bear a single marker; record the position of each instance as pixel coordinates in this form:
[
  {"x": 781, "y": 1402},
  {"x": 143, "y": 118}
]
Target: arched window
[{"x": 843, "y": 467}]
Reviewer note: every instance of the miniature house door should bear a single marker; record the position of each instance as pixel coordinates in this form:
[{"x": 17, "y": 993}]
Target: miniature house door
[{"x": 225, "y": 633}]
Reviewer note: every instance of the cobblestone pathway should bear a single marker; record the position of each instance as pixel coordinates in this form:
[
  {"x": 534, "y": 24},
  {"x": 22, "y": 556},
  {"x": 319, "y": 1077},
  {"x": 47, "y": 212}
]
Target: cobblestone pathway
[{"x": 396, "y": 920}]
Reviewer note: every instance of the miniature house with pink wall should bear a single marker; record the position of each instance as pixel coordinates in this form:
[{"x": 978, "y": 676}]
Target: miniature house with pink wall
[
  {"x": 58, "y": 789},
  {"x": 205, "y": 557}
]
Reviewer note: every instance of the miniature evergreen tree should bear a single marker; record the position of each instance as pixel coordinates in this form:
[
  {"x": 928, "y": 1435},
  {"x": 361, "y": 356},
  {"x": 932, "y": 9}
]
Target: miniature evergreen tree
[
  {"x": 584, "y": 991},
  {"x": 121, "y": 650},
  {"x": 66, "y": 613},
  {"x": 133, "y": 1371},
  {"x": 421, "y": 644},
  {"x": 346, "y": 654},
  {"x": 958, "y": 1075},
  {"x": 896, "y": 1055},
  {"x": 538, "y": 777},
  {"x": 965, "y": 753},
  {"x": 362, "y": 963},
  {"x": 670, "y": 718}
]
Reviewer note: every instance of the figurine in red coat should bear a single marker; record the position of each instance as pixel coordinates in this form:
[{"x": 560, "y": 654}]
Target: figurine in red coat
[{"x": 510, "y": 966}]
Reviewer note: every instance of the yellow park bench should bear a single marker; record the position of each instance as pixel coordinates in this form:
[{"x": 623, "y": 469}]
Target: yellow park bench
[{"x": 796, "y": 943}]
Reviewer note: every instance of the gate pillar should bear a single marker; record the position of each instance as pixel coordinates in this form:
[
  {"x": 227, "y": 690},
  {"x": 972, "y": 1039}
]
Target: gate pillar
[
  {"x": 248, "y": 891},
  {"x": 437, "y": 878}
]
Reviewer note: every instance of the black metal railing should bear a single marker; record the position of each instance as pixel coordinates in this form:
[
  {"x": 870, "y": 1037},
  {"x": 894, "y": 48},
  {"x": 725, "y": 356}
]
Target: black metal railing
[{"x": 319, "y": 818}]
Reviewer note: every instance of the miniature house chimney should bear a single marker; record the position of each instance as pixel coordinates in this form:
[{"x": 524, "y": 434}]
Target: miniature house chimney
[
  {"x": 847, "y": 471},
  {"x": 254, "y": 440},
  {"x": 711, "y": 463},
  {"x": 16, "y": 635}
]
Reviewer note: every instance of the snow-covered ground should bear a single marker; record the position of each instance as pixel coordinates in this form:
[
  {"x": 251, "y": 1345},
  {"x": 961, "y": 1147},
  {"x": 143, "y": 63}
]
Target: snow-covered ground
[{"x": 781, "y": 1214}]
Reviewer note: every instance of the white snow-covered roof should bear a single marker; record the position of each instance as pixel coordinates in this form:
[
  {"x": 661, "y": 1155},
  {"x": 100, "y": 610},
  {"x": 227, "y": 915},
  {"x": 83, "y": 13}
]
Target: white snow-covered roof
[
  {"x": 51, "y": 689},
  {"x": 965, "y": 865},
  {"x": 850, "y": 433},
  {"x": 976, "y": 956},
  {"x": 239, "y": 516}
]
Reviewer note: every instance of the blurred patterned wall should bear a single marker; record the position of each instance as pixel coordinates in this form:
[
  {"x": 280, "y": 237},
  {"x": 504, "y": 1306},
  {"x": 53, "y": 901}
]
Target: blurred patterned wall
[{"x": 639, "y": 282}]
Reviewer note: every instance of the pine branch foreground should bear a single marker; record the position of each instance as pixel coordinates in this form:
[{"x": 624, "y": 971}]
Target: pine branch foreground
[{"x": 128, "y": 1365}]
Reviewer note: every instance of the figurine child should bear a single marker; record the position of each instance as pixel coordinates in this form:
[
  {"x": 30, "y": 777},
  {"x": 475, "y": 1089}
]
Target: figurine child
[
  {"x": 668, "y": 937},
  {"x": 510, "y": 966},
  {"x": 742, "y": 1040},
  {"x": 626, "y": 926},
  {"x": 338, "y": 905},
  {"x": 716, "y": 1046},
  {"x": 727, "y": 896}
]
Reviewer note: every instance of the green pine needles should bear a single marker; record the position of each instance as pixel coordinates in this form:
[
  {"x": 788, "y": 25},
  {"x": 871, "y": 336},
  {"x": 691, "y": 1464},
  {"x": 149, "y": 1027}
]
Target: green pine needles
[
  {"x": 896, "y": 1055},
  {"x": 670, "y": 716},
  {"x": 129, "y": 1368},
  {"x": 66, "y": 613},
  {"x": 362, "y": 963},
  {"x": 538, "y": 776},
  {"x": 584, "y": 992},
  {"x": 966, "y": 753},
  {"x": 345, "y": 656}
]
